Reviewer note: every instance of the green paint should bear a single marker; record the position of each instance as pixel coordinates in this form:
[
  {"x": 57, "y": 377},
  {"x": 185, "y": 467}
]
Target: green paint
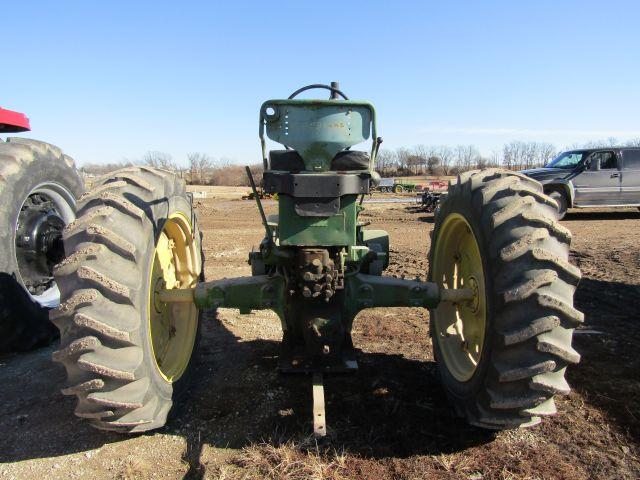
[
  {"x": 317, "y": 129},
  {"x": 337, "y": 230}
]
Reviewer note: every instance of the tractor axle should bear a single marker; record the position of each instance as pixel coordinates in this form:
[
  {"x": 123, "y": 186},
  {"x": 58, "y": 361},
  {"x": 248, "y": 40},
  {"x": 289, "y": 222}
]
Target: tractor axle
[{"x": 260, "y": 292}]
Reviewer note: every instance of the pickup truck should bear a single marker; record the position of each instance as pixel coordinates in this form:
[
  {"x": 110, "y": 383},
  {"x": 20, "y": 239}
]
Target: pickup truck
[{"x": 594, "y": 177}]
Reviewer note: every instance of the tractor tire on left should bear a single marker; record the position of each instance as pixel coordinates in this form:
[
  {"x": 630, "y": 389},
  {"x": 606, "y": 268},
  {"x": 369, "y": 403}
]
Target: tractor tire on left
[
  {"x": 39, "y": 186},
  {"x": 128, "y": 356}
]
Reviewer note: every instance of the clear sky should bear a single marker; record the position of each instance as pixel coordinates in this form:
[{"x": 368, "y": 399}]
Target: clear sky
[{"x": 109, "y": 81}]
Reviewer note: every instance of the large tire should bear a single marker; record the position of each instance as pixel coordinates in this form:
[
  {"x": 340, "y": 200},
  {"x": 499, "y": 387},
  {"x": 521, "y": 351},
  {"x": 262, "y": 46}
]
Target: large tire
[
  {"x": 109, "y": 317},
  {"x": 528, "y": 299},
  {"x": 397, "y": 189},
  {"x": 30, "y": 169},
  {"x": 562, "y": 201}
]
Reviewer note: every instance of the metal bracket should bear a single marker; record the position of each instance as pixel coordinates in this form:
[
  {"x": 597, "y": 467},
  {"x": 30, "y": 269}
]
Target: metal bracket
[{"x": 319, "y": 417}]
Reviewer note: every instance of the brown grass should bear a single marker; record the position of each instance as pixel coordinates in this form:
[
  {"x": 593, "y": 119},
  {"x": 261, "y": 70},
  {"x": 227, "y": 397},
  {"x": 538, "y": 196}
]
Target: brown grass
[{"x": 290, "y": 461}]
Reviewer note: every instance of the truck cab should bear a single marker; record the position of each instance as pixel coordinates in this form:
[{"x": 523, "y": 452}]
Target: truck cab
[{"x": 600, "y": 177}]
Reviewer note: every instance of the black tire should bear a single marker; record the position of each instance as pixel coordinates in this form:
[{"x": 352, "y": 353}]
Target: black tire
[
  {"x": 398, "y": 189},
  {"x": 103, "y": 319},
  {"x": 529, "y": 286},
  {"x": 562, "y": 201},
  {"x": 25, "y": 165}
]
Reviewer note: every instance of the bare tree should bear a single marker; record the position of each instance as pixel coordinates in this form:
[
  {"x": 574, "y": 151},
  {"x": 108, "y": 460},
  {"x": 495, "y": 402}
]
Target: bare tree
[
  {"x": 158, "y": 159},
  {"x": 482, "y": 162},
  {"x": 495, "y": 159},
  {"x": 422, "y": 152},
  {"x": 414, "y": 162},
  {"x": 445, "y": 153},
  {"x": 432, "y": 164},
  {"x": 547, "y": 153},
  {"x": 199, "y": 164},
  {"x": 402, "y": 158},
  {"x": 385, "y": 161},
  {"x": 466, "y": 157}
]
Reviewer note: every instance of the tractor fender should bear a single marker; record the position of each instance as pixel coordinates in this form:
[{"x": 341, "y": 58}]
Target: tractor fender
[{"x": 562, "y": 185}]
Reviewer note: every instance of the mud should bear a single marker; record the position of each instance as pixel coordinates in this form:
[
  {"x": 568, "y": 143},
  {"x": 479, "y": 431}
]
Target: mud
[{"x": 390, "y": 420}]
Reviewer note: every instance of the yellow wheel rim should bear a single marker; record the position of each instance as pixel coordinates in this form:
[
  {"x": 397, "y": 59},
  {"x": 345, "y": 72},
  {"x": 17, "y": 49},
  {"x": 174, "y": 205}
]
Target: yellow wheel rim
[
  {"x": 172, "y": 327},
  {"x": 459, "y": 328}
]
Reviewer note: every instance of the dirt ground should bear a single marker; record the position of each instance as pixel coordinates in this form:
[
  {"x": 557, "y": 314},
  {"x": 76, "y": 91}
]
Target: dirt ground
[{"x": 389, "y": 421}]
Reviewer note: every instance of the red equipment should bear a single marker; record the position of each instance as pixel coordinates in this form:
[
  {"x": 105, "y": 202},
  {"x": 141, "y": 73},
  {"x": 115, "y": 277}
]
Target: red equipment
[{"x": 12, "y": 122}]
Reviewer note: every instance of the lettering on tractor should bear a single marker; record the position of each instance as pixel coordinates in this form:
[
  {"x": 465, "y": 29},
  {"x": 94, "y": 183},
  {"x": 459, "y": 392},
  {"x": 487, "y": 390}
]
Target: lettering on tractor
[{"x": 500, "y": 289}]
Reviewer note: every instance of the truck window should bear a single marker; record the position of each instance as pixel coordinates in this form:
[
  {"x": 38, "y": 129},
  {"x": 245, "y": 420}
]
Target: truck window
[
  {"x": 607, "y": 160},
  {"x": 566, "y": 160},
  {"x": 631, "y": 159}
]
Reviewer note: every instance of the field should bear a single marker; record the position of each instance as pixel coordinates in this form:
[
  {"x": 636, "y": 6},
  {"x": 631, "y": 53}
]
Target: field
[{"x": 390, "y": 421}]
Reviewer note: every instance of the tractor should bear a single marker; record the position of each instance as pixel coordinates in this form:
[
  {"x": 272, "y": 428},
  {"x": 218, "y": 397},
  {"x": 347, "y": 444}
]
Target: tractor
[
  {"x": 39, "y": 186},
  {"x": 499, "y": 291}
]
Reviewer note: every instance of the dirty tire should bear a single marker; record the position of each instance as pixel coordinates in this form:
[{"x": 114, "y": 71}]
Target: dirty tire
[
  {"x": 561, "y": 200},
  {"x": 398, "y": 189},
  {"x": 529, "y": 286},
  {"x": 25, "y": 164},
  {"x": 104, "y": 329}
]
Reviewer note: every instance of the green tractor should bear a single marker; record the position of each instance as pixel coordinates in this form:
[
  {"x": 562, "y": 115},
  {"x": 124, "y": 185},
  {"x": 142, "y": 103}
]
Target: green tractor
[{"x": 500, "y": 289}]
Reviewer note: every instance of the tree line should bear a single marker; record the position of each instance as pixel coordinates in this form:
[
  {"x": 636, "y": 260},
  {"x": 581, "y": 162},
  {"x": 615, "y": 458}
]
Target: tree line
[
  {"x": 200, "y": 168},
  {"x": 448, "y": 160},
  {"x": 203, "y": 169}
]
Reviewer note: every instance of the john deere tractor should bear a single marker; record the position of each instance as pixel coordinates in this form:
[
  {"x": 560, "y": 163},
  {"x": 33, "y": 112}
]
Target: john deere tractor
[{"x": 500, "y": 289}]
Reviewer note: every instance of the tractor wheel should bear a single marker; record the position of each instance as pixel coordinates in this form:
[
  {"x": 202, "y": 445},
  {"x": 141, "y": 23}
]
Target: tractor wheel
[
  {"x": 503, "y": 356},
  {"x": 128, "y": 355},
  {"x": 398, "y": 189},
  {"x": 39, "y": 186},
  {"x": 561, "y": 200}
]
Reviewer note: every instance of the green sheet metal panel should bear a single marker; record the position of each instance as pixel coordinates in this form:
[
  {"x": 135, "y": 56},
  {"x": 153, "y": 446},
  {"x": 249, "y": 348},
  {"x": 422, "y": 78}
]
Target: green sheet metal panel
[
  {"x": 338, "y": 230},
  {"x": 318, "y": 129}
]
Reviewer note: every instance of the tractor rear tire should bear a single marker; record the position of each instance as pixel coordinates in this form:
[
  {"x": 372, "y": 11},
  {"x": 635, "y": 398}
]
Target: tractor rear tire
[
  {"x": 526, "y": 294},
  {"x": 35, "y": 178},
  {"x": 561, "y": 200},
  {"x": 128, "y": 356},
  {"x": 397, "y": 189}
]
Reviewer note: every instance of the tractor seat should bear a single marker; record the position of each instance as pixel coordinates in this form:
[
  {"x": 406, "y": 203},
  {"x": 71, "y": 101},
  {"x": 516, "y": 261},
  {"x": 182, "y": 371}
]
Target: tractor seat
[{"x": 290, "y": 160}]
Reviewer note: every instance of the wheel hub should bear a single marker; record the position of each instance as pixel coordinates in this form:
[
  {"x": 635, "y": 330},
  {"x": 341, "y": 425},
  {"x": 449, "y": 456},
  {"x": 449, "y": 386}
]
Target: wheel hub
[
  {"x": 472, "y": 283},
  {"x": 38, "y": 242}
]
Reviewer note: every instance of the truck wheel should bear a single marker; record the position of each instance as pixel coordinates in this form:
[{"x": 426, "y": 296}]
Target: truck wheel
[
  {"x": 503, "y": 356},
  {"x": 128, "y": 355},
  {"x": 39, "y": 186},
  {"x": 561, "y": 200},
  {"x": 398, "y": 189}
]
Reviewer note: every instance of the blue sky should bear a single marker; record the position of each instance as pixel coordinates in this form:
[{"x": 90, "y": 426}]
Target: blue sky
[{"x": 109, "y": 81}]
